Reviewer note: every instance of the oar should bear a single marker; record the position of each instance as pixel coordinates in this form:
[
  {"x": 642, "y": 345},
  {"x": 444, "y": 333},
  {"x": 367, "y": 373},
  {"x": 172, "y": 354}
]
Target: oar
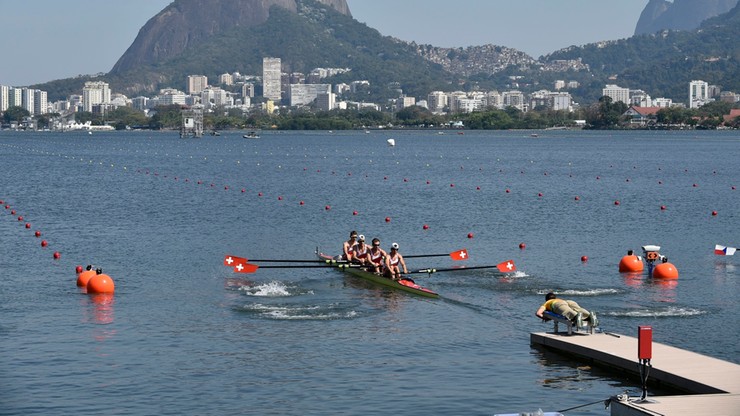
[
  {"x": 251, "y": 268},
  {"x": 461, "y": 254},
  {"x": 504, "y": 267},
  {"x": 230, "y": 260}
]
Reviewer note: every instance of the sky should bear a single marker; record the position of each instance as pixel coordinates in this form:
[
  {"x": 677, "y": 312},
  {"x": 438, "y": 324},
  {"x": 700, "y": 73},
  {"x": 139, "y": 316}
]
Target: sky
[{"x": 45, "y": 40}]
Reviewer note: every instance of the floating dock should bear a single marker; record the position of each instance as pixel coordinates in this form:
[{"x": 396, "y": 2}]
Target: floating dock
[{"x": 713, "y": 385}]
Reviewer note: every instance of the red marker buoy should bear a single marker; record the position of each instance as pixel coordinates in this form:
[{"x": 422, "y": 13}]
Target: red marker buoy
[
  {"x": 78, "y": 269},
  {"x": 470, "y": 235},
  {"x": 584, "y": 259},
  {"x": 354, "y": 212},
  {"x": 577, "y": 198},
  {"x": 522, "y": 246},
  {"x": 477, "y": 188},
  {"x": 539, "y": 194},
  {"x": 37, "y": 233},
  {"x": 280, "y": 198},
  {"x": 244, "y": 190},
  {"x": 20, "y": 218},
  {"x": 662, "y": 208},
  {"x": 714, "y": 213},
  {"x": 387, "y": 219},
  {"x": 100, "y": 283},
  {"x": 301, "y": 203},
  {"x": 327, "y": 207},
  {"x": 426, "y": 227},
  {"x": 28, "y": 225},
  {"x": 507, "y": 190},
  {"x": 259, "y": 194},
  {"x": 44, "y": 243},
  {"x": 616, "y": 202},
  {"x": 452, "y": 185},
  {"x": 57, "y": 255}
]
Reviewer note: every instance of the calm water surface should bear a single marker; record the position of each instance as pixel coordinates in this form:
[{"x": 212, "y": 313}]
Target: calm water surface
[{"x": 185, "y": 335}]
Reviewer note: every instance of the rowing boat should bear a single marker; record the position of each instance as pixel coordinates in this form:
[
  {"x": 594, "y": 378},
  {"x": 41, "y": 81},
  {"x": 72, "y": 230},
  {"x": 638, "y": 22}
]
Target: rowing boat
[{"x": 404, "y": 284}]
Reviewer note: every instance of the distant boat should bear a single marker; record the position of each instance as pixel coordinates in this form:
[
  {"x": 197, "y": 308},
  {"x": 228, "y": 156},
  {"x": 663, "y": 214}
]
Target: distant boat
[
  {"x": 251, "y": 135},
  {"x": 215, "y": 133},
  {"x": 534, "y": 135},
  {"x": 391, "y": 142}
]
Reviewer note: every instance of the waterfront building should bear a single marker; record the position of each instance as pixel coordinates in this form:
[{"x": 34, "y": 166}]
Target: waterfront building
[
  {"x": 514, "y": 99},
  {"x": 15, "y": 97},
  {"x": 616, "y": 93},
  {"x": 326, "y": 101},
  {"x": 698, "y": 93},
  {"x": 196, "y": 84},
  {"x": 271, "y": 78},
  {"x": 663, "y": 102},
  {"x": 28, "y": 100},
  {"x": 404, "y": 101},
  {"x": 559, "y": 84},
  {"x": 4, "y": 97},
  {"x": 40, "y": 102},
  {"x": 95, "y": 92},
  {"x": 170, "y": 96},
  {"x": 305, "y": 94},
  {"x": 437, "y": 101}
]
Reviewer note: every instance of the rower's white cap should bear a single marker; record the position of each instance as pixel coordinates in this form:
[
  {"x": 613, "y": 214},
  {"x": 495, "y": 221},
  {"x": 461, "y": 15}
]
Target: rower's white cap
[
  {"x": 361, "y": 237},
  {"x": 394, "y": 245}
]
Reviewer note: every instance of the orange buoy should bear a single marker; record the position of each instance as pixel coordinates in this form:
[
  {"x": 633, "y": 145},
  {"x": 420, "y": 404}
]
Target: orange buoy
[
  {"x": 665, "y": 271},
  {"x": 85, "y": 276},
  {"x": 630, "y": 263},
  {"x": 100, "y": 283}
]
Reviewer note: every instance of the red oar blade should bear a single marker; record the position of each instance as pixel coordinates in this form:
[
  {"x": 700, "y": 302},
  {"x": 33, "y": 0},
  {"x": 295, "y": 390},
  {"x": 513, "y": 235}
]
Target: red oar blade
[
  {"x": 459, "y": 255},
  {"x": 231, "y": 261},
  {"x": 245, "y": 267},
  {"x": 506, "y": 266}
]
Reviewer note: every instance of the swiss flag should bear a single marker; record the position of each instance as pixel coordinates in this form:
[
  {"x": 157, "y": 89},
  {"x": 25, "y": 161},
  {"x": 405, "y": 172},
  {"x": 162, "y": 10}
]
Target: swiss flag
[
  {"x": 459, "y": 255},
  {"x": 241, "y": 266},
  {"x": 231, "y": 261},
  {"x": 506, "y": 266}
]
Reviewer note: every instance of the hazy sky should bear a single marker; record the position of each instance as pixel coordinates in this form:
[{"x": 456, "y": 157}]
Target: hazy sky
[{"x": 44, "y": 40}]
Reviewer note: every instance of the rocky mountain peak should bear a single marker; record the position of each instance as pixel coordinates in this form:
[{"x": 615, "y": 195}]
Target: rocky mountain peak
[{"x": 185, "y": 23}]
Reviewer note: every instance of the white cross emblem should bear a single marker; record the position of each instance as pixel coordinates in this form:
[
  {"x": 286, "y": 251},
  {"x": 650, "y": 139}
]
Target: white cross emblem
[
  {"x": 509, "y": 265},
  {"x": 229, "y": 260},
  {"x": 239, "y": 267},
  {"x": 462, "y": 254}
]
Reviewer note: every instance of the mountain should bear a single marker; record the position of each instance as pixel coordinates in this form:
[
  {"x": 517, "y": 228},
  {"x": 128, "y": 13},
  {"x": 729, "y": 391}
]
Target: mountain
[
  {"x": 679, "y": 15},
  {"x": 663, "y": 63},
  {"x": 186, "y": 23},
  {"x": 306, "y": 34}
]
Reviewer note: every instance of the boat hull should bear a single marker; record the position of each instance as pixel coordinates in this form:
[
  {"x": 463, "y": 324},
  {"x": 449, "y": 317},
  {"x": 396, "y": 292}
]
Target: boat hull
[{"x": 405, "y": 285}]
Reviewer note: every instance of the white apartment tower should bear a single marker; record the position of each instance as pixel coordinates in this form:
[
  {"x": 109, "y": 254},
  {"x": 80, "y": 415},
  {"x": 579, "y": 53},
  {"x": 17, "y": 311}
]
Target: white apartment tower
[
  {"x": 616, "y": 93},
  {"x": 437, "y": 101},
  {"x": 28, "y": 101},
  {"x": 698, "y": 93},
  {"x": 196, "y": 84},
  {"x": 40, "y": 102},
  {"x": 271, "y": 71},
  {"x": 4, "y": 97},
  {"x": 93, "y": 93}
]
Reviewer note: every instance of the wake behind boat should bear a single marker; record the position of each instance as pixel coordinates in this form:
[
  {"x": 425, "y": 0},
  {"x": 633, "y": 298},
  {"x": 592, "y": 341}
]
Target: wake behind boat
[{"x": 404, "y": 284}]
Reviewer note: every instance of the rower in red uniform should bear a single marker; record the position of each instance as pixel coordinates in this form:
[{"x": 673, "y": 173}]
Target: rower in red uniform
[
  {"x": 349, "y": 246},
  {"x": 394, "y": 262},
  {"x": 377, "y": 257},
  {"x": 360, "y": 252}
]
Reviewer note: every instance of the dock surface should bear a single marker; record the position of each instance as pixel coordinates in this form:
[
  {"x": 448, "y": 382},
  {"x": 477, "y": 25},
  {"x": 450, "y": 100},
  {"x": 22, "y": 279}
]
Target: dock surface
[{"x": 711, "y": 383}]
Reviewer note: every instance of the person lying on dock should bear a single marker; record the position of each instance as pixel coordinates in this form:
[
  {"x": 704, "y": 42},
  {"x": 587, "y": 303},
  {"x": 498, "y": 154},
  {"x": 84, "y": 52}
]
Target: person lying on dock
[
  {"x": 568, "y": 308},
  {"x": 394, "y": 262}
]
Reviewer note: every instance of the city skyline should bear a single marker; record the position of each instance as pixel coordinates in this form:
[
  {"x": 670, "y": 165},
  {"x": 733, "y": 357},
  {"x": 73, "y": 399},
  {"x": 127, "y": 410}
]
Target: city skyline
[{"x": 85, "y": 49}]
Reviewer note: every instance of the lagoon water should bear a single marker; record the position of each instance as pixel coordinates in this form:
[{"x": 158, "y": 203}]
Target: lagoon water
[{"x": 184, "y": 335}]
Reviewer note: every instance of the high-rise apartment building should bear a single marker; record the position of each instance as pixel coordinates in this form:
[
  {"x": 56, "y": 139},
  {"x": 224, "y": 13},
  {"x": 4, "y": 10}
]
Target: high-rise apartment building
[
  {"x": 698, "y": 93},
  {"x": 40, "y": 102},
  {"x": 4, "y": 97},
  {"x": 93, "y": 93},
  {"x": 197, "y": 83},
  {"x": 28, "y": 100},
  {"x": 616, "y": 93},
  {"x": 271, "y": 71}
]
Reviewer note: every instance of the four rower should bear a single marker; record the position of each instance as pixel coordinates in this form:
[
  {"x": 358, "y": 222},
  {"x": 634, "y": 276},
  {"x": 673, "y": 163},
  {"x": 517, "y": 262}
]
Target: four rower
[
  {"x": 360, "y": 252},
  {"x": 349, "y": 246},
  {"x": 377, "y": 257},
  {"x": 394, "y": 262}
]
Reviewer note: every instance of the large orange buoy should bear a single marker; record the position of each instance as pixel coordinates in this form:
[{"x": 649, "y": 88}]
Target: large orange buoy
[
  {"x": 630, "y": 263},
  {"x": 100, "y": 283},
  {"x": 665, "y": 271},
  {"x": 85, "y": 276}
]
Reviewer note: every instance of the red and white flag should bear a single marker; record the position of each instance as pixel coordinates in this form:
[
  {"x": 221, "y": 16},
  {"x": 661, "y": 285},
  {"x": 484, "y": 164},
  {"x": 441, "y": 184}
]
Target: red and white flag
[
  {"x": 244, "y": 267},
  {"x": 724, "y": 251},
  {"x": 459, "y": 255},
  {"x": 231, "y": 261},
  {"x": 506, "y": 266}
]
